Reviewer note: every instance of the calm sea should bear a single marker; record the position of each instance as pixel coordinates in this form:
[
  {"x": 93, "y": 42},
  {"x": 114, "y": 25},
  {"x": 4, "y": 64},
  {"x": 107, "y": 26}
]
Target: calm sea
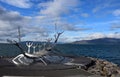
[{"x": 107, "y": 52}]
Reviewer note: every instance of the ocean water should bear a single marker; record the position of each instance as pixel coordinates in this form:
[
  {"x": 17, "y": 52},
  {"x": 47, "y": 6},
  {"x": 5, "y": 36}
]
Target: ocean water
[{"x": 107, "y": 52}]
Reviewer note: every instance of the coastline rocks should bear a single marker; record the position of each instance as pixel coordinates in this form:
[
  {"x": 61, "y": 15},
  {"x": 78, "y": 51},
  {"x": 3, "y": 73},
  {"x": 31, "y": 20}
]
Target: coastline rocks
[{"x": 104, "y": 68}]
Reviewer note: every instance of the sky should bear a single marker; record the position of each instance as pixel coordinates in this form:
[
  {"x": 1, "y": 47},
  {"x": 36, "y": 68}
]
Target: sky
[{"x": 42, "y": 19}]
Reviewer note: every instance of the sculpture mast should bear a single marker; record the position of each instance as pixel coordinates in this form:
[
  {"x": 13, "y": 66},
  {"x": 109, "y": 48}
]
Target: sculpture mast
[{"x": 19, "y": 34}]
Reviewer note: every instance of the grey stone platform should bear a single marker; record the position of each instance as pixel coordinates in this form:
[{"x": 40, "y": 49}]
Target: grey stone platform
[{"x": 38, "y": 69}]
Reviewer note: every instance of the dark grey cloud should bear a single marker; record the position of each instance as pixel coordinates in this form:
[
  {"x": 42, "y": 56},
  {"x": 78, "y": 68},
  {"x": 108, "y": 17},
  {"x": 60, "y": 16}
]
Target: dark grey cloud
[
  {"x": 71, "y": 27},
  {"x": 11, "y": 20},
  {"x": 9, "y": 15},
  {"x": 115, "y": 26}
]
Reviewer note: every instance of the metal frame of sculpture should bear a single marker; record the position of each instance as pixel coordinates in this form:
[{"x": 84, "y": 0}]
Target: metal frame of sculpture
[
  {"x": 27, "y": 58},
  {"x": 29, "y": 45}
]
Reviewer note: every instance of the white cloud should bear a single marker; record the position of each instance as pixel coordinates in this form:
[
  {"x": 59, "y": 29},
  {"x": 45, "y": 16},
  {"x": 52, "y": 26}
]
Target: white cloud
[
  {"x": 58, "y": 7},
  {"x": 49, "y": 23},
  {"x": 52, "y": 13},
  {"x": 95, "y": 36},
  {"x": 85, "y": 15},
  {"x": 116, "y": 12},
  {"x": 114, "y": 35},
  {"x": 105, "y": 5},
  {"x": 102, "y": 35},
  {"x": 19, "y": 3},
  {"x": 101, "y": 5}
]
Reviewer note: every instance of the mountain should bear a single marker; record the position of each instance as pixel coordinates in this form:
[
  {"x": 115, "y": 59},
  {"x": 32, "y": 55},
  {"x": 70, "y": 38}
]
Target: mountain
[{"x": 110, "y": 41}]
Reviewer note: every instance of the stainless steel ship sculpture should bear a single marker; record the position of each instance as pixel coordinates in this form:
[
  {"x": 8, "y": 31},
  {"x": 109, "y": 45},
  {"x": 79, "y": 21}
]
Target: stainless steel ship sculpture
[{"x": 44, "y": 54}]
